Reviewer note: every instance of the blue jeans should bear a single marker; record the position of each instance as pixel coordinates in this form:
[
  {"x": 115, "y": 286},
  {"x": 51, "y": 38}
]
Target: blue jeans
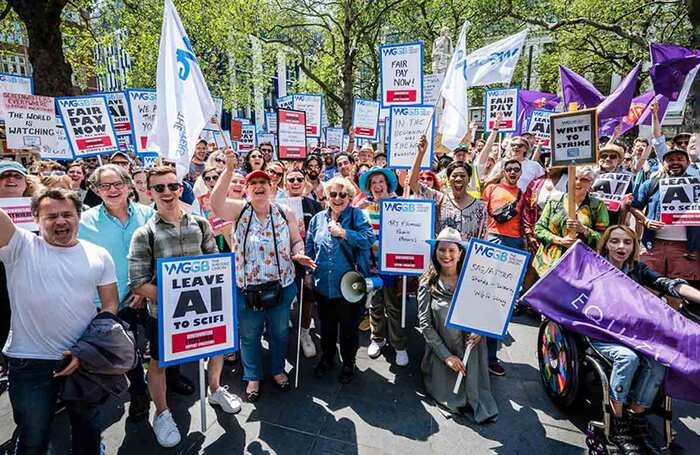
[
  {"x": 33, "y": 394},
  {"x": 635, "y": 378},
  {"x": 250, "y": 328}
]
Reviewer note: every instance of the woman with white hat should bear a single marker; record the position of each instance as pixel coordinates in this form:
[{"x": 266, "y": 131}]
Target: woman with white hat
[{"x": 445, "y": 347}]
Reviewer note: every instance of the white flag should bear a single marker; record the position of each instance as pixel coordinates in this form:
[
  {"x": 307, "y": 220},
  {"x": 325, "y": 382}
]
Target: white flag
[
  {"x": 494, "y": 64},
  {"x": 455, "y": 115},
  {"x": 183, "y": 99}
]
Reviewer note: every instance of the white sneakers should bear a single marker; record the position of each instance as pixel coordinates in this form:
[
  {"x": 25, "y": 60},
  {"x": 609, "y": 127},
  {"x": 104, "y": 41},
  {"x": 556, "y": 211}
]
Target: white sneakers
[
  {"x": 401, "y": 358},
  {"x": 375, "y": 349},
  {"x": 307, "y": 344},
  {"x": 165, "y": 429},
  {"x": 229, "y": 402}
]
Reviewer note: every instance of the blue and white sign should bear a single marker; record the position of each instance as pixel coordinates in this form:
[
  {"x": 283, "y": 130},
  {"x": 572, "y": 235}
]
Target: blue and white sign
[
  {"x": 487, "y": 288},
  {"x": 538, "y": 126},
  {"x": 334, "y": 137},
  {"x": 431, "y": 88},
  {"x": 312, "y": 105},
  {"x": 401, "y": 74},
  {"x": 365, "y": 118},
  {"x": 271, "y": 122},
  {"x": 504, "y": 101},
  {"x": 196, "y": 307},
  {"x": 119, "y": 110},
  {"x": 9, "y": 83},
  {"x": 142, "y": 110},
  {"x": 285, "y": 102},
  {"x": 404, "y": 227},
  {"x": 406, "y": 125},
  {"x": 88, "y": 125},
  {"x": 214, "y": 122}
]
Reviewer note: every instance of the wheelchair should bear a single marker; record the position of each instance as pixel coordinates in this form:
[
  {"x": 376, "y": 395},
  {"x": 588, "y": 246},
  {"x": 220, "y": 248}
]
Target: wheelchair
[{"x": 571, "y": 370}]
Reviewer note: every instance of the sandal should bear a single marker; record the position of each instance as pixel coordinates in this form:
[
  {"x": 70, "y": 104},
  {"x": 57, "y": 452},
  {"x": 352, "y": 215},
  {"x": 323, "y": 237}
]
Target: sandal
[
  {"x": 283, "y": 385},
  {"x": 253, "y": 395}
]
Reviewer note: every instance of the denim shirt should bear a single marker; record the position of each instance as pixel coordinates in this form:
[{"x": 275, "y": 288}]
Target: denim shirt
[
  {"x": 652, "y": 202},
  {"x": 331, "y": 263}
]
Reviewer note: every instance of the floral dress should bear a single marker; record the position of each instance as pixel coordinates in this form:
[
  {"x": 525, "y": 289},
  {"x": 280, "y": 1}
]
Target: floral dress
[{"x": 470, "y": 221}]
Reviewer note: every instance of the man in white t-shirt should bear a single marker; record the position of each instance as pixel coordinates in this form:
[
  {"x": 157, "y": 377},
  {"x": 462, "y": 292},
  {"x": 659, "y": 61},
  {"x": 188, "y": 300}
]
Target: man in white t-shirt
[
  {"x": 52, "y": 284},
  {"x": 518, "y": 148}
]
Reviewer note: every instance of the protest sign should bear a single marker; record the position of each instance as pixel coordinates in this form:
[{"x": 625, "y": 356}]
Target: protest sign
[
  {"x": 574, "y": 137},
  {"x": 235, "y": 130},
  {"x": 384, "y": 113},
  {"x": 119, "y": 111},
  {"x": 61, "y": 150},
  {"x": 19, "y": 209},
  {"x": 247, "y": 141},
  {"x": 680, "y": 201},
  {"x": 487, "y": 288},
  {"x": 406, "y": 125},
  {"x": 217, "y": 224},
  {"x": 125, "y": 144},
  {"x": 312, "y": 105},
  {"x": 504, "y": 101},
  {"x": 611, "y": 188},
  {"x": 291, "y": 134},
  {"x": 196, "y": 307},
  {"x": 346, "y": 142},
  {"x": 29, "y": 121},
  {"x": 214, "y": 123},
  {"x": 142, "y": 110},
  {"x": 9, "y": 83},
  {"x": 538, "y": 126},
  {"x": 334, "y": 137},
  {"x": 271, "y": 122},
  {"x": 148, "y": 159},
  {"x": 432, "y": 83},
  {"x": 268, "y": 137},
  {"x": 365, "y": 116},
  {"x": 404, "y": 226},
  {"x": 401, "y": 74},
  {"x": 285, "y": 102},
  {"x": 294, "y": 203},
  {"x": 88, "y": 125}
]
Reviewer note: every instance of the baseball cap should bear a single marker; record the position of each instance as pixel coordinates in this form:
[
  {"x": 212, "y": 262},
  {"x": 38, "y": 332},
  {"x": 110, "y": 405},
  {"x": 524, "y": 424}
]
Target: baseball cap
[
  {"x": 7, "y": 165},
  {"x": 259, "y": 174}
]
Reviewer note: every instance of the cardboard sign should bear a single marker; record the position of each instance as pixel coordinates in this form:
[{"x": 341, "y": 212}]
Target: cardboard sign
[
  {"x": 431, "y": 88},
  {"x": 504, "y": 101},
  {"x": 88, "y": 125},
  {"x": 247, "y": 141},
  {"x": 404, "y": 227},
  {"x": 611, "y": 188},
  {"x": 312, "y": 105},
  {"x": 271, "y": 122},
  {"x": 538, "y": 126},
  {"x": 197, "y": 314},
  {"x": 487, "y": 288},
  {"x": 214, "y": 123},
  {"x": 401, "y": 74},
  {"x": 119, "y": 111},
  {"x": 142, "y": 110},
  {"x": 19, "y": 209},
  {"x": 574, "y": 137},
  {"x": 365, "y": 117},
  {"x": 295, "y": 204},
  {"x": 334, "y": 137},
  {"x": 680, "y": 201},
  {"x": 291, "y": 134},
  {"x": 29, "y": 121},
  {"x": 406, "y": 125},
  {"x": 61, "y": 150}
]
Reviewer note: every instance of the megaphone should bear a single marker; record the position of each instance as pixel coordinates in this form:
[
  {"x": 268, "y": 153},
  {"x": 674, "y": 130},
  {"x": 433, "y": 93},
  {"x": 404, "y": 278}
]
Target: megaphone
[{"x": 354, "y": 286}]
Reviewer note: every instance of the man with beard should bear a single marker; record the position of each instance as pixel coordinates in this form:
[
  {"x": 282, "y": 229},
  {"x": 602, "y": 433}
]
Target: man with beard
[
  {"x": 329, "y": 169},
  {"x": 312, "y": 167},
  {"x": 198, "y": 161},
  {"x": 610, "y": 158},
  {"x": 266, "y": 150}
]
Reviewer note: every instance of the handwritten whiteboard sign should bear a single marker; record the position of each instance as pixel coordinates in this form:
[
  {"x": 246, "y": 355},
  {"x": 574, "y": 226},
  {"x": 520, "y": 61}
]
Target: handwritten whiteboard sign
[
  {"x": 404, "y": 227},
  {"x": 406, "y": 125}
]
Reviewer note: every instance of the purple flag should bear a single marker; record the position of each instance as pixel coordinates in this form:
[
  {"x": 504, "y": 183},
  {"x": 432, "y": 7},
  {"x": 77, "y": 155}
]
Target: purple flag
[
  {"x": 670, "y": 65},
  {"x": 529, "y": 101},
  {"x": 586, "y": 294},
  {"x": 578, "y": 90},
  {"x": 617, "y": 105},
  {"x": 637, "y": 109}
]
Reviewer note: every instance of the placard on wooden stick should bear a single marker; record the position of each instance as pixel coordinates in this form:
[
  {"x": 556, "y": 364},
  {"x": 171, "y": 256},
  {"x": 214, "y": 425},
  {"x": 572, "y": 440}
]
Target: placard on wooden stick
[{"x": 574, "y": 138}]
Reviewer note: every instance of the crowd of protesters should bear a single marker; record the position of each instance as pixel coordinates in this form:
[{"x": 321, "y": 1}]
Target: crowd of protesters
[{"x": 103, "y": 222}]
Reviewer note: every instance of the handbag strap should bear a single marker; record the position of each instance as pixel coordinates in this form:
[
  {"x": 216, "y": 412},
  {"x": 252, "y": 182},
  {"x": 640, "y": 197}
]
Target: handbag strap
[{"x": 274, "y": 240}]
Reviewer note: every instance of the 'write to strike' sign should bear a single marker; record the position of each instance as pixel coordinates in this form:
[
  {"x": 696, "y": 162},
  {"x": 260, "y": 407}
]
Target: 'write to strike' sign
[
  {"x": 406, "y": 125},
  {"x": 504, "y": 101},
  {"x": 119, "y": 111},
  {"x": 404, "y": 226},
  {"x": 574, "y": 137},
  {"x": 196, "y": 307},
  {"x": 401, "y": 74},
  {"x": 680, "y": 201},
  {"x": 88, "y": 125},
  {"x": 142, "y": 110},
  {"x": 29, "y": 121},
  {"x": 365, "y": 118},
  {"x": 611, "y": 189},
  {"x": 291, "y": 134},
  {"x": 538, "y": 126}
]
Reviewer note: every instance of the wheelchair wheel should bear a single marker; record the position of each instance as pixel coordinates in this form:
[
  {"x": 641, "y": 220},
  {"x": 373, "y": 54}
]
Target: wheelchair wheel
[{"x": 558, "y": 357}]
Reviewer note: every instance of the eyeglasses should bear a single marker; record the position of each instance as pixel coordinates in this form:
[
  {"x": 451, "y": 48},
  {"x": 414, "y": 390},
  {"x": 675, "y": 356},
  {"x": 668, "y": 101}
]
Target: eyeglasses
[
  {"x": 275, "y": 173},
  {"x": 220, "y": 160},
  {"x": 518, "y": 144},
  {"x": 255, "y": 157},
  {"x": 335, "y": 194},
  {"x": 160, "y": 187},
  {"x": 426, "y": 178},
  {"x": 211, "y": 178},
  {"x": 108, "y": 186},
  {"x": 56, "y": 172},
  {"x": 11, "y": 175},
  {"x": 295, "y": 179},
  {"x": 682, "y": 143},
  {"x": 512, "y": 169}
]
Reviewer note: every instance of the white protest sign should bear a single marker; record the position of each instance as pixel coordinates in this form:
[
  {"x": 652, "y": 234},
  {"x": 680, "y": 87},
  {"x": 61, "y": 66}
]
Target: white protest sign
[
  {"x": 295, "y": 204},
  {"x": 29, "y": 121},
  {"x": 334, "y": 137},
  {"x": 61, "y": 150},
  {"x": 271, "y": 122},
  {"x": 406, "y": 125},
  {"x": 504, "y": 101},
  {"x": 384, "y": 114},
  {"x": 404, "y": 227},
  {"x": 432, "y": 83},
  {"x": 196, "y": 307},
  {"x": 268, "y": 137},
  {"x": 291, "y": 134},
  {"x": 119, "y": 110},
  {"x": 365, "y": 116},
  {"x": 285, "y": 102},
  {"x": 611, "y": 188},
  {"x": 680, "y": 201},
  {"x": 312, "y": 105},
  {"x": 247, "y": 141},
  {"x": 538, "y": 126},
  {"x": 88, "y": 125},
  {"x": 574, "y": 137},
  {"x": 214, "y": 123},
  {"x": 19, "y": 209},
  {"x": 401, "y": 74},
  {"x": 142, "y": 110},
  {"x": 9, "y": 83},
  {"x": 346, "y": 142},
  {"x": 487, "y": 288}
]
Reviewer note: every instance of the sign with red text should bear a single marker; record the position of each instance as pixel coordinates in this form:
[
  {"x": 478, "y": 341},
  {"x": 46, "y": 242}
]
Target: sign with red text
[
  {"x": 246, "y": 143},
  {"x": 505, "y": 102},
  {"x": 291, "y": 134},
  {"x": 365, "y": 118},
  {"x": 119, "y": 110},
  {"x": 88, "y": 125},
  {"x": 312, "y": 105},
  {"x": 611, "y": 189},
  {"x": 404, "y": 227},
  {"x": 142, "y": 110},
  {"x": 19, "y": 209},
  {"x": 30, "y": 121},
  {"x": 538, "y": 126},
  {"x": 680, "y": 201},
  {"x": 401, "y": 74}
]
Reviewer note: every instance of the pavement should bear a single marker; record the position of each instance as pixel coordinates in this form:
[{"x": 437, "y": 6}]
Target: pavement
[{"x": 383, "y": 411}]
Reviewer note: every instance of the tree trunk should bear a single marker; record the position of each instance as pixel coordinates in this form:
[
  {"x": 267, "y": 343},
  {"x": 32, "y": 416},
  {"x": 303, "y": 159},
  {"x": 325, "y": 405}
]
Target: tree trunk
[{"x": 52, "y": 74}]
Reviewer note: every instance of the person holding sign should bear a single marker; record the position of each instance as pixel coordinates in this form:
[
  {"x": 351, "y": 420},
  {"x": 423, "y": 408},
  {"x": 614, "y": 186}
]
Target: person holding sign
[
  {"x": 445, "y": 347},
  {"x": 611, "y": 175}
]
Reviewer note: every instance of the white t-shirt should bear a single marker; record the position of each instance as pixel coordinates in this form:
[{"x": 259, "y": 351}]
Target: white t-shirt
[
  {"x": 52, "y": 292},
  {"x": 531, "y": 170}
]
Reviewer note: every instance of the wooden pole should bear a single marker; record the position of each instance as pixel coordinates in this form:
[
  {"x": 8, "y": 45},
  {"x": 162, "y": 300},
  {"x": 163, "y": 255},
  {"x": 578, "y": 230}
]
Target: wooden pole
[{"x": 571, "y": 190}]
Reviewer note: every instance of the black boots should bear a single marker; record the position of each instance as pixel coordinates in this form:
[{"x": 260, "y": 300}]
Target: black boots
[
  {"x": 622, "y": 436},
  {"x": 640, "y": 432}
]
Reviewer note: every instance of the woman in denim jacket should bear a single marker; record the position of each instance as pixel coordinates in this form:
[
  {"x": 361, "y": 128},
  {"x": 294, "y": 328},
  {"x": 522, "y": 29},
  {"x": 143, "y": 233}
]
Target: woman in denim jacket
[{"x": 339, "y": 240}]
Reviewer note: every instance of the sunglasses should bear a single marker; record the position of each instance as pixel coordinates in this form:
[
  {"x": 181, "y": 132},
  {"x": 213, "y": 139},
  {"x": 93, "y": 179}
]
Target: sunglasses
[
  {"x": 211, "y": 178},
  {"x": 295, "y": 179},
  {"x": 160, "y": 187},
  {"x": 512, "y": 169},
  {"x": 426, "y": 178},
  {"x": 220, "y": 160},
  {"x": 335, "y": 194},
  {"x": 275, "y": 173},
  {"x": 608, "y": 157},
  {"x": 108, "y": 186}
]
